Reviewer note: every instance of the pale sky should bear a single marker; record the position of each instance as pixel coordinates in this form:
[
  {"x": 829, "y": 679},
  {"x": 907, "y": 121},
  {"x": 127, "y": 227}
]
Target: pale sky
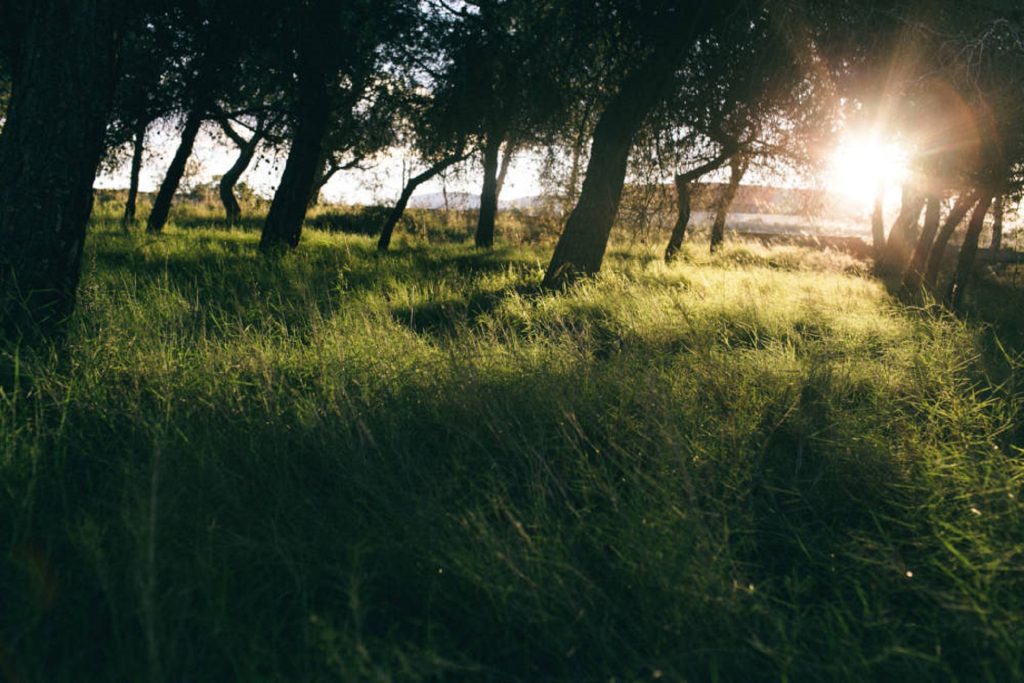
[{"x": 380, "y": 183}]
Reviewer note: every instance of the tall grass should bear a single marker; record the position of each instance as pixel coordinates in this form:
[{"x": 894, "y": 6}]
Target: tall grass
[{"x": 341, "y": 466}]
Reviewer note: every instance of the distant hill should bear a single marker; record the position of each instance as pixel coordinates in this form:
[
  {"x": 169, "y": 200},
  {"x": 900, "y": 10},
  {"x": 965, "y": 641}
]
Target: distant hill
[
  {"x": 466, "y": 200},
  {"x": 436, "y": 200},
  {"x": 752, "y": 199}
]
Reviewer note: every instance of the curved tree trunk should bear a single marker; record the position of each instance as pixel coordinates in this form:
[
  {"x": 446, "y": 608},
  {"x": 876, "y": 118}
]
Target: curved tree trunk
[
  {"x": 580, "y": 249},
  {"x": 968, "y": 252},
  {"x": 162, "y": 204},
  {"x": 327, "y": 172},
  {"x": 63, "y": 81},
  {"x": 963, "y": 204},
  {"x": 246, "y": 152},
  {"x": 489, "y": 193},
  {"x": 897, "y": 246},
  {"x": 396, "y": 212},
  {"x": 738, "y": 165},
  {"x": 138, "y": 147},
  {"x": 683, "y": 197},
  {"x": 573, "y": 183},
  {"x": 998, "y": 208},
  {"x": 283, "y": 226},
  {"x": 878, "y": 223},
  {"x": 675, "y": 241},
  {"x": 912, "y": 278},
  {"x": 506, "y": 162}
]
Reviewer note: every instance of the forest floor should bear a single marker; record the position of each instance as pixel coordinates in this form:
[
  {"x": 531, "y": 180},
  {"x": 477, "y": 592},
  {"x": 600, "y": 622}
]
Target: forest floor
[{"x": 345, "y": 466}]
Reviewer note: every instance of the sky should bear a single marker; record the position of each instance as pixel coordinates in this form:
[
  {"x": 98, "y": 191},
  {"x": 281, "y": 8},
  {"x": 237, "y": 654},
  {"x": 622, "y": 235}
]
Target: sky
[
  {"x": 380, "y": 184},
  {"x": 852, "y": 172}
]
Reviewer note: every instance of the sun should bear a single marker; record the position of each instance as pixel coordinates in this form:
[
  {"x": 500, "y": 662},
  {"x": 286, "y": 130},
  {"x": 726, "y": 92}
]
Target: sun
[{"x": 861, "y": 162}]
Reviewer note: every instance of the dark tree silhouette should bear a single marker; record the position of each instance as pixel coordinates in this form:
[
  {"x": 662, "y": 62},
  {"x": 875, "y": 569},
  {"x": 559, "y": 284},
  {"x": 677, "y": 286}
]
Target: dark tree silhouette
[{"x": 63, "y": 66}]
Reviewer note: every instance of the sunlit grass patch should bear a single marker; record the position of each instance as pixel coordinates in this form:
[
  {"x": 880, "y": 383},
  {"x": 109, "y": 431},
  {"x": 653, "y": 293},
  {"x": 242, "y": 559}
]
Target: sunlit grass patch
[{"x": 414, "y": 465}]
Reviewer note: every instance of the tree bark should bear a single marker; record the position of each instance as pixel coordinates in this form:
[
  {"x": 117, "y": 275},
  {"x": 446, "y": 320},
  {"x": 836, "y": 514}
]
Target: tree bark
[
  {"x": 675, "y": 242},
  {"x": 998, "y": 208},
  {"x": 938, "y": 251},
  {"x": 580, "y": 249},
  {"x": 396, "y": 212},
  {"x": 878, "y": 223},
  {"x": 506, "y": 162},
  {"x": 897, "y": 246},
  {"x": 912, "y": 278},
  {"x": 162, "y": 204},
  {"x": 328, "y": 171},
  {"x": 968, "y": 252},
  {"x": 139, "y": 146},
  {"x": 63, "y": 72},
  {"x": 489, "y": 193},
  {"x": 283, "y": 226},
  {"x": 683, "y": 192},
  {"x": 246, "y": 152},
  {"x": 738, "y": 165}
]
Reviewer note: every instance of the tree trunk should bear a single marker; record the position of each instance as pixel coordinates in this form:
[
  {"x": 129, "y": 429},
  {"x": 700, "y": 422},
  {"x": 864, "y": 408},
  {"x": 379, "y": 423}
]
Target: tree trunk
[
  {"x": 913, "y": 276},
  {"x": 963, "y": 204},
  {"x": 683, "y": 192},
  {"x": 580, "y": 249},
  {"x": 162, "y": 204},
  {"x": 330, "y": 169},
  {"x": 675, "y": 242},
  {"x": 737, "y": 168},
  {"x": 246, "y": 152},
  {"x": 878, "y": 223},
  {"x": 997, "y": 224},
  {"x": 139, "y": 146},
  {"x": 897, "y": 247},
  {"x": 283, "y": 226},
  {"x": 489, "y": 193},
  {"x": 506, "y": 162},
  {"x": 968, "y": 252},
  {"x": 63, "y": 72},
  {"x": 396, "y": 213}
]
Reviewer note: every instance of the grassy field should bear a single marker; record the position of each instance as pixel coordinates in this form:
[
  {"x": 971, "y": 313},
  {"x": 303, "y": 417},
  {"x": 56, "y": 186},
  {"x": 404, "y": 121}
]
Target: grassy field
[{"x": 341, "y": 466}]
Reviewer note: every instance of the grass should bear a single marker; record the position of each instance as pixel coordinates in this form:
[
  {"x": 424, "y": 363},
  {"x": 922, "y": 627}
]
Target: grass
[{"x": 340, "y": 466}]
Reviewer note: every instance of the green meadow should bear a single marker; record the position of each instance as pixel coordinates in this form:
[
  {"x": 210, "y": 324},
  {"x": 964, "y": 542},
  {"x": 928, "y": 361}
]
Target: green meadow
[{"x": 340, "y": 465}]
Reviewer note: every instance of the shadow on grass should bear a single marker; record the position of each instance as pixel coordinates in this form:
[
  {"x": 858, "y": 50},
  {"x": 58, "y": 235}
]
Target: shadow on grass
[
  {"x": 226, "y": 275},
  {"x": 418, "y": 532},
  {"x": 446, "y": 319}
]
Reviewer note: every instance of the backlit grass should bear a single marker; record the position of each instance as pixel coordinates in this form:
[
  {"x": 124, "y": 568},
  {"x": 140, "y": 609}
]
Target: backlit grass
[{"x": 343, "y": 466}]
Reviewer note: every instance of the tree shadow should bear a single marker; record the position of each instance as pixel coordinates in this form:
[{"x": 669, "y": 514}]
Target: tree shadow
[
  {"x": 445, "y": 319},
  {"x": 228, "y": 277}
]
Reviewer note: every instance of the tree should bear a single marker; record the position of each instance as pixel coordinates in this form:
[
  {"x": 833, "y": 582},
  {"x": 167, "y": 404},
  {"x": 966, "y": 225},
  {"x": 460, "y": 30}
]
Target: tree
[
  {"x": 683, "y": 183},
  {"x": 998, "y": 209},
  {"x": 138, "y": 149},
  {"x": 176, "y": 170},
  {"x": 146, "y": 91},
  {"x": 937, "y": 251},
  {"x": 965, "y": 264},
  {"x": 918, "y": 261},
  {"x": 414, "y": 182},
  {"x": 878, "y": 222},
  {"x": 210, "y": 44},
  {"x": 664, "y": 36},
  {"x": 336, "y": 53},
  {"x": 246, "y": 152},
  {"x": 63, "y": 57}
]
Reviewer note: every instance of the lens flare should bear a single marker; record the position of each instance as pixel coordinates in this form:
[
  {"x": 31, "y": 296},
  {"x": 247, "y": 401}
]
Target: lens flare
[{"x": 863, "y": 162}]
